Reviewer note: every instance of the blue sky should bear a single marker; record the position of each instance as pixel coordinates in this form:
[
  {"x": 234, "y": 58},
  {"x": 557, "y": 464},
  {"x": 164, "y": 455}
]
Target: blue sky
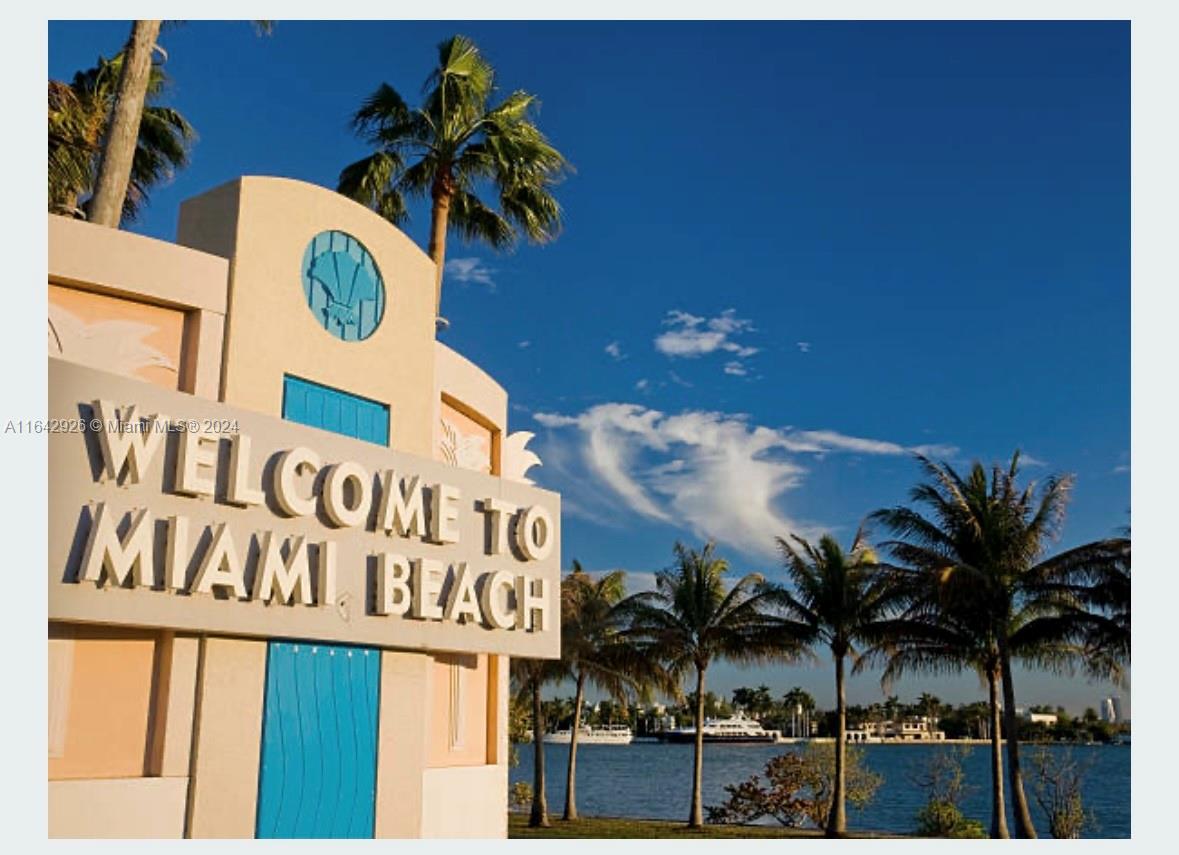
[{"x": 794, "y": 252}]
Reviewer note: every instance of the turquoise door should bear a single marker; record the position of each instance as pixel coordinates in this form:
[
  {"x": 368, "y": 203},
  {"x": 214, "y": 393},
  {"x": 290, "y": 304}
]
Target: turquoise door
[
  {"x": 317, "y": 774},
  {"x": 319, "y": 741}
]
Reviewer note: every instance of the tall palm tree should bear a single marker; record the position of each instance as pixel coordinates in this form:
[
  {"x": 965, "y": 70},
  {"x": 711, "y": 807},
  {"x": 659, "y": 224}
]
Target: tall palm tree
[
  {"x": 597, "y": 652},
  {"x": 934, "y": 636},
  {"x": 529, "y": 677},
  {"x": 983, "y": 542},
  {"x": 114, "y": 176},
  {"x": 838, "y": 600},
  {"x": 693, "y": 619},
  {"x": 79, "y": 116},
  {"x": 451, "y": 147},
  {"x": 122, "y": 132}
]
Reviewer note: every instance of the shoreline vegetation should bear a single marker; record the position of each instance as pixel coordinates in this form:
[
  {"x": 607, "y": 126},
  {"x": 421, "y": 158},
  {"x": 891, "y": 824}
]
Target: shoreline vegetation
[{"x": 612, "y": 827}]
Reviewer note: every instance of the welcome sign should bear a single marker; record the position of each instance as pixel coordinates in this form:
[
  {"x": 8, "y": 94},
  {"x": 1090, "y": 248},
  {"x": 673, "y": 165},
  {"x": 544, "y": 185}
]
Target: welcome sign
[{"x": 167, "y": 510}]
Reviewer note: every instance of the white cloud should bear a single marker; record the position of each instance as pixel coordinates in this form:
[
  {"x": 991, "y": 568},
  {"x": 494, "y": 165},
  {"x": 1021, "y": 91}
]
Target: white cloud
[
  {"x": 523, "y": 344},
  {"x": 1028, "y": 460},
  {"x": 712, "y": 473},
  {"x": 804, "y": 346},
  {"x": 689, "y": 336},
  {"x": 614, "y": 349},
  {"x": 1121, "y": 469},
  {"x": 468, "y": 271},
  {"x": 735, "y": 368},
  {"x": 642, "y": 385}
]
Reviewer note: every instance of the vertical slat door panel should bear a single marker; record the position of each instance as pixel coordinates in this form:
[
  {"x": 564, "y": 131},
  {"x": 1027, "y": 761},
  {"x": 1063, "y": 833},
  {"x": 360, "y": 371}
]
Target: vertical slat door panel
[
  {"x": 318, "y": 773},
  {"x": 335, "y": 410}
]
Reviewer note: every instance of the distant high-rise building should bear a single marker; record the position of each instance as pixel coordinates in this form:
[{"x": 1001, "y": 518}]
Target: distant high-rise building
[
  {"x": 1117, "y": 708},
  {"x": 1110, "y": 708}
]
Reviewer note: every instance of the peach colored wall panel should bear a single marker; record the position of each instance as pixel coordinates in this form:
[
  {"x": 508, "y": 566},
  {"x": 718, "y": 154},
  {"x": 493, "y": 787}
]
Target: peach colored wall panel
[
  {"x": 464, "y": 442},
  {"x": 118, "y": 335},
  {"x": 104, "y": 731},
  {"x": 458, "y": 711}
]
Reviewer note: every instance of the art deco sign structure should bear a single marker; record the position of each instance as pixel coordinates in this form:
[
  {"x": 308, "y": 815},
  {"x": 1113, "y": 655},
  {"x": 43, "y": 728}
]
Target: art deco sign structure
[{"x": 172, "y": 511}]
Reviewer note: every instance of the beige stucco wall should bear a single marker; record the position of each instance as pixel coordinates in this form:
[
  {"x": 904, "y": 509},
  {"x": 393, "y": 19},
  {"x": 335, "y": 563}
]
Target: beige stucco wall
[
  {"x": 120, "y": 808},
  {"x": 403, "y": 733},
  {"x": 465, "y": 801},
  {"x": 227, "y": 743},
  {"x": 272, "y": 332}
]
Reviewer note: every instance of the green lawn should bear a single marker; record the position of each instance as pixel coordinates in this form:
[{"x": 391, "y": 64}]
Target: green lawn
[{"x": 605, "y": 827}]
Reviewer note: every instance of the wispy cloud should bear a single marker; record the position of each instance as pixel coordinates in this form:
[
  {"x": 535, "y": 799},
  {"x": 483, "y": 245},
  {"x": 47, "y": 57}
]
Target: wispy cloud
[
  {"x": 643, "y": 385},
  {"x": 1121, "y": 469},
  {"x": 803, "y": 346},
  {"x": 614, "y": 350},
  {"x": 690, "y": 336},
  {"x": 712, "y": 473},
  {"x": 470, "y": 271},
  {"x": 524, "y": 344}
]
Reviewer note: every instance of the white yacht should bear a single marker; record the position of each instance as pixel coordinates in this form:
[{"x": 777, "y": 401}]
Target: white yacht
[
  {"x": 735, "y": 729},
  {"x": 607, "y": 734}
]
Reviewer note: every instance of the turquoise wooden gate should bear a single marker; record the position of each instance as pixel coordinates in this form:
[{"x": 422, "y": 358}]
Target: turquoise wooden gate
[
  {"x": 319, "y": 741},
  {"x": 317, "y": 773}
]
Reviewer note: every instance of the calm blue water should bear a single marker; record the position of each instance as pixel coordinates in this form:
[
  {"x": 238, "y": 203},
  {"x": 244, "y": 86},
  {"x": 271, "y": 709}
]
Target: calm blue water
[{"x": 654, "y": 781}]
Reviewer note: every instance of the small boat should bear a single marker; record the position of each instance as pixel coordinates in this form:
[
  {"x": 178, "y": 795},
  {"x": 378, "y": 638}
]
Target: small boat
[
  {"x": 736, "y": 730},
  {"x": 608, "y": 734}
]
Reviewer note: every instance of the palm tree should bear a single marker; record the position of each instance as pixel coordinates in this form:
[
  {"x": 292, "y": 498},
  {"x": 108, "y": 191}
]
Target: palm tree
[
  {"x": 79, "y": 115},
  {"x": 450, "y": 146},
  {"x": 691, "y": 620},
  {"x": 929, "y": 705},
  {"x": 114, "y": 177},
  {"x": 596, "y": 652},
  {"x": 838, "y": 600},
  {"x": 932, "y": 636},
  {"x": 530, "y": 676},
  {"x": 983, "y": 544},
  {"x": 122, "y": 132}
]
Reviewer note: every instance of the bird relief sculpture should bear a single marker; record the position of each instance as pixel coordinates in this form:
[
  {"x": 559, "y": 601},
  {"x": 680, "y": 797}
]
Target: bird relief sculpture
[
  {"x": 463, "y": 451},
  {"x": 114, "y": 345}
]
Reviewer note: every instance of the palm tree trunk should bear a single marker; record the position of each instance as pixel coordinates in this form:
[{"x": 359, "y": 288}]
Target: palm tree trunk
[
  {"x": 696, "y": 817},
  {"x": 571, "y": 772},
  {"x": 837, "y": 820},
  {"x": 998, "y": 808},
  {"x": 441, "y": 194},
  {"x": 122, "y": 133},
  {"x": 540, "y": 805},
  {"x": 1019, "y": 802}
]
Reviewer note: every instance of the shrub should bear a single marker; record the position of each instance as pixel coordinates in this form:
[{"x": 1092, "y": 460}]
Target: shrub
[
  {"x": 798, "y": 789},
  {"x": 1056, "y": 783},
  {"x": 944, "y": 783},
  {"x": 520, "y": 796},
  {"x": 945, "y": 819}
]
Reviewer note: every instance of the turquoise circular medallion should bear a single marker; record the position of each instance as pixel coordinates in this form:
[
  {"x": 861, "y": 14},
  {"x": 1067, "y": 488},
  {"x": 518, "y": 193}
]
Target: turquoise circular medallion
[{"x": 343, "y": 286}]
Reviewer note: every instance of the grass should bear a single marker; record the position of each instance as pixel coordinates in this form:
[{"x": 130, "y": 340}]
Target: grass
[{"x": 619, "y": 827}]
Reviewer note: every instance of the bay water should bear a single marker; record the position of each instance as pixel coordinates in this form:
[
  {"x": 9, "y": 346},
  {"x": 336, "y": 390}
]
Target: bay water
[{"x": 654, "y": 781}]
